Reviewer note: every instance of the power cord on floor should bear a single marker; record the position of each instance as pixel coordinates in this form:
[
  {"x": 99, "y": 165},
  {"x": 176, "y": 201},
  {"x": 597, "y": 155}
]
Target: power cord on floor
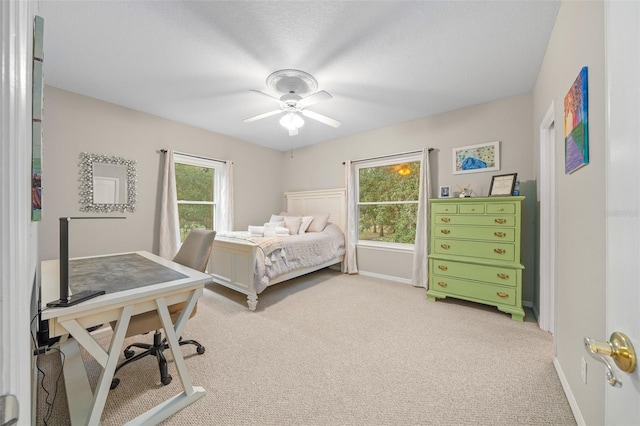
[{"x": 50, "y": 403}]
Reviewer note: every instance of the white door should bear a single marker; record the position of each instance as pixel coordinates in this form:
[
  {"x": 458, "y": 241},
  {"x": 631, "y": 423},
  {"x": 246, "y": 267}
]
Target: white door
[{"x": 622, "y": 46}]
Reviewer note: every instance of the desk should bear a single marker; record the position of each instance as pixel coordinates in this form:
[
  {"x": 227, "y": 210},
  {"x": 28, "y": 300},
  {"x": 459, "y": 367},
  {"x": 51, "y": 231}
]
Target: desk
[{"x": 182, "y": 285}]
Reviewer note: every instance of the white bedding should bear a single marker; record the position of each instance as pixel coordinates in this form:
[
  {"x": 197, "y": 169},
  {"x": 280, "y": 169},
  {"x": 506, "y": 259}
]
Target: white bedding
[{"x": 280, "y": 255}]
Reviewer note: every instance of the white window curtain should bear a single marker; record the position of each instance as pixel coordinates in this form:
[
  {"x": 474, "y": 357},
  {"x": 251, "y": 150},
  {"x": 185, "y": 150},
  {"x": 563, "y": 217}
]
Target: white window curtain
[
  {"x": 420, "y": 275},
  {"x": 226, "y": 202},
  {"x": 169, "y": 223},
  {"x": 350, "y": 265}
]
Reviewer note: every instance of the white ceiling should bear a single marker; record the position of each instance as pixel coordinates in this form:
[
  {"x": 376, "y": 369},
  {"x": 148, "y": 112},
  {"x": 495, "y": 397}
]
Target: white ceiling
[{"x": 384, "y": 62}]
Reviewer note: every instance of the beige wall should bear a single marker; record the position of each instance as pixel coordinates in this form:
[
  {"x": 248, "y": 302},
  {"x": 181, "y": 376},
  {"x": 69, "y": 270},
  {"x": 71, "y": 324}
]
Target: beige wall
[
  {"x": 75, "y": 124},
  {"x": 578, "y": 40},
  {"x": 506, "y": 120}
]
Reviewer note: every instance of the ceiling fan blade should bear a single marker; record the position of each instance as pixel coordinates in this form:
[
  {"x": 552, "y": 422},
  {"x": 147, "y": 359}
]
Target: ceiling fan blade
[
  {"x": 267, "y": 95},
  {"x": 293, "y": 131},
  {"x": 261, "y": 116},
  {"x": 320, "y": 96},
  {"x": 321, "y": 118}
]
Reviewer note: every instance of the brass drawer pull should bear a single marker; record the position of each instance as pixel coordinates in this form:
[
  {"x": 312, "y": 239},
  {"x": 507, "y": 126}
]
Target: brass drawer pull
[
  {"x": 501, "y": 221},
  {"x": 501, "y": 209},
  {"x": 442, "y": 267},
  {"x": 499, "y": 234},
  {"x": 503, "y": 276},
  {"x": 445, "y": 231},
  {"x": 445, "y": 219},
  {"x": 442, "y": 284},
  {"x": 500, "y": 251},
  {"x": 473, "y": 210},
  {"x": 445, "y": 246},
  {"x": 503, "y": 295}
]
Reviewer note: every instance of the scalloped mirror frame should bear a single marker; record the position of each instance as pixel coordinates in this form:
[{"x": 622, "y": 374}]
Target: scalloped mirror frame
[{"x": 86, "y": 183}]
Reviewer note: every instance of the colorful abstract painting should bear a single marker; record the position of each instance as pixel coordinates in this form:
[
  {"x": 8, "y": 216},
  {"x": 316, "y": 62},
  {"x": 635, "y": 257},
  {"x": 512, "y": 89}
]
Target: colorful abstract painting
[
  {"x": 483, "y": 157},
  {"x": 576, "y": 125},
  {"x": 36, "y": 126}
]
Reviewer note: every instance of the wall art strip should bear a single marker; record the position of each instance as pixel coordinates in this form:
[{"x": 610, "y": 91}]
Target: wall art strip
[
  {"x": 36, "y": 126},
  {"x": 576, "y": 125}
]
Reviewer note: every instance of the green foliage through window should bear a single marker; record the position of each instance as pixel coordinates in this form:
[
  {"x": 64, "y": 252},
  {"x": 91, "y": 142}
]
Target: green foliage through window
[
  {"x": 388, "y": 202},
  {"x": 195, "y": 189}
]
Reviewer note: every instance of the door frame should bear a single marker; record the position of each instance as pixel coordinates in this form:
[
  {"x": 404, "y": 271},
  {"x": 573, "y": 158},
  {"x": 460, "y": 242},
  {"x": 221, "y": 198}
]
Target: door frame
[
  {"x": 18, "y": 235},
  {"x": 548, "y": 237}
]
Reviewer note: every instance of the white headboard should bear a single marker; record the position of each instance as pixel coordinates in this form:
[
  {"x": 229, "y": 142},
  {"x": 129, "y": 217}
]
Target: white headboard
[{"x": 332, "y": 201}]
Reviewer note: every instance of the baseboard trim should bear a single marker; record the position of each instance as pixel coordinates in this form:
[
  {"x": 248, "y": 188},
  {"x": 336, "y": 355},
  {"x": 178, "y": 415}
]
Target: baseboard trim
[
  {"x": 385, "y": 277},
  {"x": 567, "y": 391},
  {"x": 536, "y": 314}
]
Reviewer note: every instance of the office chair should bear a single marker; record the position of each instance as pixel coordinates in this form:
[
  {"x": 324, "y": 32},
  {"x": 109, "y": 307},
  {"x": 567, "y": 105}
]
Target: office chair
[{"x": 194, "y": 254}]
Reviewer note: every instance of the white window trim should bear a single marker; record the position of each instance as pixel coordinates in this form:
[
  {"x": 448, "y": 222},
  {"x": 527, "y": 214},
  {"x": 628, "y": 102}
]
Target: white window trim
[
  {"x": 380, "y": 162},
  {"x": 218, "y": 170},
  {"x": 387, "y": 246}
]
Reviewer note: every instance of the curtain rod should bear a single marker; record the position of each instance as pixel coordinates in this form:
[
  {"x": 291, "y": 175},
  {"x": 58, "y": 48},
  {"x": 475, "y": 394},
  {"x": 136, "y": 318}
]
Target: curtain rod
[
  {"x": 164, "y": 151},
  {"x": 387, "y": 156}
]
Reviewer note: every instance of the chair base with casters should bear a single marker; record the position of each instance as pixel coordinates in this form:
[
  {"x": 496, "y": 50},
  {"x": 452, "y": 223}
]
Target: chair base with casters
[
  {"x": 156, "y": 348},
  {"x": 194, "y": 254}
]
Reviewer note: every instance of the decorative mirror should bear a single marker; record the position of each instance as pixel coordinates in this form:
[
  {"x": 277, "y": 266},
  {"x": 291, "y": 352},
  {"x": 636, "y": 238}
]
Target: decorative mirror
[{"x": 107, "y": 183}]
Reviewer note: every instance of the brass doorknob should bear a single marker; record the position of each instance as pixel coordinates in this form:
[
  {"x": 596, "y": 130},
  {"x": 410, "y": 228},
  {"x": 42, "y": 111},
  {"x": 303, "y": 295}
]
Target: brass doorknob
[{"x": 619, "y": 348}]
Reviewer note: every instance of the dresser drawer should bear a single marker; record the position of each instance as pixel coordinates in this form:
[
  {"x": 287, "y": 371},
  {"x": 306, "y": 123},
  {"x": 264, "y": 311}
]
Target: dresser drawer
[
  {"x": 498, "y": 251},
  {"x": 498, "y": 220},
  {"x": 489, "y": 274},
  {"x": 471, "y": 209},
  {"x": 501, "y": 208},
  {"x": 446, "y": 208},
  {"x": 475, "y": 233},
  {"x": 475, "y": 291}
]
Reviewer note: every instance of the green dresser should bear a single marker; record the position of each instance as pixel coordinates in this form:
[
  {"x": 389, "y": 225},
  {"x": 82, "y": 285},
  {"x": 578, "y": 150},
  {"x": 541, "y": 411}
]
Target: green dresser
[{"x": 475, "y": 251}]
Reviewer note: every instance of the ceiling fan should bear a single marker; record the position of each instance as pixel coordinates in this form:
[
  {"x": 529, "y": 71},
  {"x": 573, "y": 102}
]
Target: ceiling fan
[{"x": 298, "y": 91}]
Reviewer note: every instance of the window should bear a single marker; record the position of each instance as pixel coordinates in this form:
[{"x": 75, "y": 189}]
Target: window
[
  {"x": 388, "y": 200},
  {"x": 198, "y": 190}
]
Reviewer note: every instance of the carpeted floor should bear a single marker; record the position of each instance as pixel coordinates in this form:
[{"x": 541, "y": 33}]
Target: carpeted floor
[{"x": 332, "y": 349}]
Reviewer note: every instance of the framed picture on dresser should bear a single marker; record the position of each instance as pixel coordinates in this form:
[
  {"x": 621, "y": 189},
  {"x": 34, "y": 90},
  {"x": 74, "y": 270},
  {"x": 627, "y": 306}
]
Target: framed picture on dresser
[
  {"x": 502, "y": 185},
  {"x": 445, "y": 192}
]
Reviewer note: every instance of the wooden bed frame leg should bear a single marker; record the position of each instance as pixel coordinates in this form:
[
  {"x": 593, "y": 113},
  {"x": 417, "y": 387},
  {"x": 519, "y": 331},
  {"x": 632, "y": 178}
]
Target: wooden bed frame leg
[{"x": 252, "y": 301}]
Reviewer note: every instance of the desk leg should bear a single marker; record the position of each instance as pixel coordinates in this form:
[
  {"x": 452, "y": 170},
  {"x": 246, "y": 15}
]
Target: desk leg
[
  {"x": 108, "y": 361},
  {"x": 190, "y": 393},
  {"x": 79, "y": 395}
]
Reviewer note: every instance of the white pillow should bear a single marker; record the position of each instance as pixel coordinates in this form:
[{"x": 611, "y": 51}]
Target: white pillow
[
  {"x": 319, "y": 222},
  {"x": 276, "y": 218},
  {"x": 275, "y": 224},
  {"x": 304, "y": 225},
  {"x": 292, "y": 223}
]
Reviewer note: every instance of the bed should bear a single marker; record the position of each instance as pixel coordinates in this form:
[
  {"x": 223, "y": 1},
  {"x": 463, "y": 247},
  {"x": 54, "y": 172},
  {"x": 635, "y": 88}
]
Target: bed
[{"x": 249, "y": 264}]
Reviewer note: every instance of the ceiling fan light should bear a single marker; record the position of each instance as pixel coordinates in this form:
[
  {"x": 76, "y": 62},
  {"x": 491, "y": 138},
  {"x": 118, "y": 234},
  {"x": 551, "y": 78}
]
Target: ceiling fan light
[{"x": 291, "y": 120}]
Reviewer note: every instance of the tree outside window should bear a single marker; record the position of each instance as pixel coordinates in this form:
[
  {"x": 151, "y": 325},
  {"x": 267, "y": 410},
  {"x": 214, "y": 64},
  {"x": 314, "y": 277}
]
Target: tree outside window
[
  {"x": 197, "y": 193},
  {"x": 388, "y": 201}
]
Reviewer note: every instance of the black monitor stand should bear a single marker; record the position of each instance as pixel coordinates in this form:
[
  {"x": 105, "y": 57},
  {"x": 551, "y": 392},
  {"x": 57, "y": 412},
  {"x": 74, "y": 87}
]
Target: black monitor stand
[{"x": 66, "y": 300}]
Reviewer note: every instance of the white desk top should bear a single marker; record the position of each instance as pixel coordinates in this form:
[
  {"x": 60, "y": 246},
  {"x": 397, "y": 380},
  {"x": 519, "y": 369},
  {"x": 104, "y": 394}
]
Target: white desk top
[{"x": 50, "y": 290}]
